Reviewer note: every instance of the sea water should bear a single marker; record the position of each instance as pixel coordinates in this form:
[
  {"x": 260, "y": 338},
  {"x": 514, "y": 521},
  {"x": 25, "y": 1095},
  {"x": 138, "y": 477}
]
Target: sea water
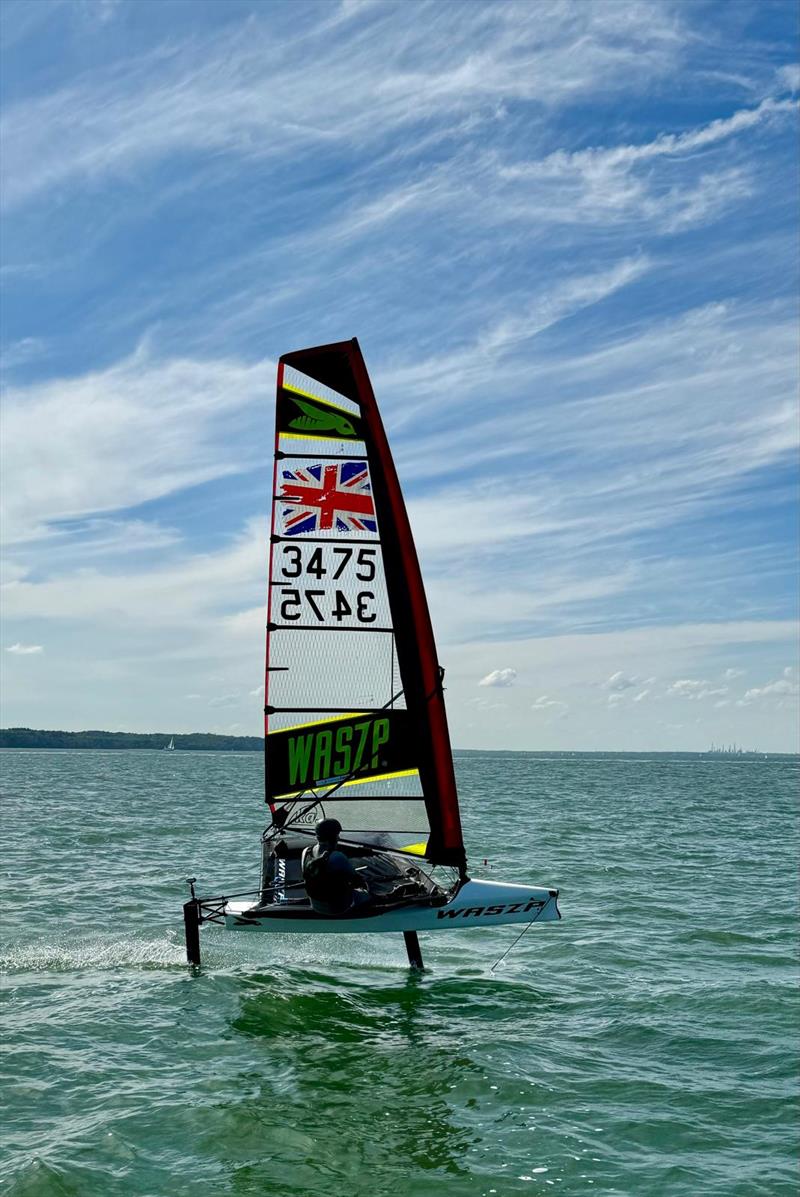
[{"x": 647, "y": 1044}]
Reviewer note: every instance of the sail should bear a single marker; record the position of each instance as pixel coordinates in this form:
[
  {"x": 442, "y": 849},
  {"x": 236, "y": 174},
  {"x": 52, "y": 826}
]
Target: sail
[{"x": 355, "y": 724}]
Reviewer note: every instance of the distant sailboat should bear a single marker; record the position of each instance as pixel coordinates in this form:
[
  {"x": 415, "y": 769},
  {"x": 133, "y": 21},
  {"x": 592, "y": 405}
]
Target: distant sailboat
[
  {"x": 354, "y": 718},
  {"x": 171, "y": 746}
]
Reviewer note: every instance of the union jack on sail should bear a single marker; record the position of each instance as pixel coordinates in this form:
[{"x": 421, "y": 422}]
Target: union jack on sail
[{"x": 321, "y": 498}]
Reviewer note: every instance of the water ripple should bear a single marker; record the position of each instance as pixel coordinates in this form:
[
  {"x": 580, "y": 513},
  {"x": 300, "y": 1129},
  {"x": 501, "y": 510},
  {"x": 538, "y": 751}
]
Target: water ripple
[{"x": 644, "y": 1046}]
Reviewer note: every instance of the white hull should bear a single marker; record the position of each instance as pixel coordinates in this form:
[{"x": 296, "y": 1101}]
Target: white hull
[{"x": 476, "y": 904}]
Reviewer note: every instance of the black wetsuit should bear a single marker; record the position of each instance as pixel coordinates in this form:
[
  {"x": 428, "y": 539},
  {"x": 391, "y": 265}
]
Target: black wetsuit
[{"x": 330, "y": 880}]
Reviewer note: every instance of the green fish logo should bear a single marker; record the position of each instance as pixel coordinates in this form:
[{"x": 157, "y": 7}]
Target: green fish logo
[{"x": 319, "y": 419}]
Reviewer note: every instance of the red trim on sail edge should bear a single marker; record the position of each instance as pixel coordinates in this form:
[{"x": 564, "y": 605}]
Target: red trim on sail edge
[
  {"x": 279, "y": 384},
  {"x": 451, "y": 842}
]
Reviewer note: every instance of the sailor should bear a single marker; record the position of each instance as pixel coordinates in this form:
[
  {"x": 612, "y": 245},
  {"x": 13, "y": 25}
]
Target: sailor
[{"x": 332, "y": 884}]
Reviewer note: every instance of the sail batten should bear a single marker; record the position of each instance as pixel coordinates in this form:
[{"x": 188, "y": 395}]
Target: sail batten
[{"x": 342, "y": 559}]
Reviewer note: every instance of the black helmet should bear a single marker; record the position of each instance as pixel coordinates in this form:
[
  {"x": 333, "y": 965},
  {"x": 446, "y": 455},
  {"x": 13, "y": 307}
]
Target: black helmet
[{"x": 328, "y": 830}]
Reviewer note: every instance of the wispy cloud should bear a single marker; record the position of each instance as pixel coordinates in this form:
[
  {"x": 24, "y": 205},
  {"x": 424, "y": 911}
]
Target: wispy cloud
[
  {"x": 685, "y": 687},
  {"x": 24, "y": 650},
  {"x": 499, "y": 677},
  {"x": 695, "y": 689},
  {"x": 123, "y": 436},
  {"x": 253, "y": 95},
  {"x": 789, "y": 76},
  {"x": 608, "y": 184},
  {"x": 786, "y": 686},
  {"x": 21, "y": 352},
  {"x": 573, "y": 297},
  {"x": 619, "y": 681},
  {"x": 190, "y": 588},
  {"x": 100, "y": 11},
  {"x": 568, "y": 297},
  {"x": 603, "y": 159},
  {"x": 545, "y": 703}
]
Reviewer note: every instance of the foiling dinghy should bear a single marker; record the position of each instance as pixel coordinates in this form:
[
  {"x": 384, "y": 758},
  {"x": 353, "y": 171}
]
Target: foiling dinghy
[{"x": 354, "y": 715}]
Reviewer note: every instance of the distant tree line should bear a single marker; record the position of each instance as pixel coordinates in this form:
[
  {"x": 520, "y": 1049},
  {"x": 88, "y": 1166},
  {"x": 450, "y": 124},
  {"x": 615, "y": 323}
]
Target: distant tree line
[{"x": 28, "y": 737}]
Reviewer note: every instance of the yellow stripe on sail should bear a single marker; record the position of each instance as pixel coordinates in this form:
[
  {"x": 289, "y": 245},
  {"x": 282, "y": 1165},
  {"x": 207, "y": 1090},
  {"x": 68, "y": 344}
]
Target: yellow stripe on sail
[
  {"x": 417, "y": 849},
  {"x": 355, "y": 781},
  {"x": 316, "y": 722},
  {"x": 308, "y": 436},
  {"x": 287, "y": 386},
  {"x": 363, "y": 781}
]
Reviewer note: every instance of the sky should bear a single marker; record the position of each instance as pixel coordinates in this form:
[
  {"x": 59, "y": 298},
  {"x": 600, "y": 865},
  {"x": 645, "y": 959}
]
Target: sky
[{"x": 564, "y": 234}]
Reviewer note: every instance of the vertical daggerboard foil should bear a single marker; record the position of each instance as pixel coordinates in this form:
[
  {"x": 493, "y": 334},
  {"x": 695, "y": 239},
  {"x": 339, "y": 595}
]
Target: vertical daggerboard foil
[{"x": 338, "y": 738}]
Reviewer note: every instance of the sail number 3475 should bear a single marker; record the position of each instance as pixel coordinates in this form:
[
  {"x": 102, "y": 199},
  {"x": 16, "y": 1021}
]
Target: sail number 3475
[
  {"x": 331, "y": 564},
  {"x": 292, "y": 605}
]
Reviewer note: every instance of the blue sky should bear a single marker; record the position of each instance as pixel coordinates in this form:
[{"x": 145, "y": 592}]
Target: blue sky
[{"x": 565, "y": 236}]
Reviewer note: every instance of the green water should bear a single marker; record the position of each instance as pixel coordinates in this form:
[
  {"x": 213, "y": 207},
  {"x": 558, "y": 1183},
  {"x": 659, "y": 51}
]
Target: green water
[{"x": 645, "y": 1045}]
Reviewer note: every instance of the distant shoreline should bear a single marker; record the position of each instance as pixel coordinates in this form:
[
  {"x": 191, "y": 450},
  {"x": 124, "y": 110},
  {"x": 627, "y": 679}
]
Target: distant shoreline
[{"x": 27, "y": 737}]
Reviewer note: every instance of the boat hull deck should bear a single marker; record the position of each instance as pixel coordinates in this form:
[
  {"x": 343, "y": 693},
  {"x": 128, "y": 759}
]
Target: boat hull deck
[{"x": 473, "y": 904}]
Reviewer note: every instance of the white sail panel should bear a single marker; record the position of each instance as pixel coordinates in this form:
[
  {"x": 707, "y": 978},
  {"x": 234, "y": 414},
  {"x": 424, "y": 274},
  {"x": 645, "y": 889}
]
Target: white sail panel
[{"x": 338, "y": 742}]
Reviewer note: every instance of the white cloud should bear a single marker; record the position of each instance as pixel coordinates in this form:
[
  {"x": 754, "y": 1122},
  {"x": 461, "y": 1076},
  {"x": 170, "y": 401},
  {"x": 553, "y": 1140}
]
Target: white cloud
[
  {"x": 619, "y": 681},
  {"x": 672, "y": 402},
  {"x": 789, "y": 76},
  {"x": 101, "y": 11},
  {"x": 681, "y": 208},
  {"x": 189, "y": 591},
  {"x": 576, "y": 659},
  {"x": 561, "y": 301},
  {"x": 24, "y": 650},
  {"x": 599, "y": 160},
  {"x": 688, "y": 687},
  {"x": 19, "y": 353},
  {"x": 554, "y": 706},
  {"x": 731, "y": 674},
  {"x": 611, "y": 184},
  {"x": 695, "y": 689},
  {"x": 785, "y": 686},
  {"x": 458, "y": 517},
  {"x": 125, "y": 435},
  {"x": 557, "y": 373},
  {"x": 499, "y": 677},
  {"x": 251, "y": 94}
]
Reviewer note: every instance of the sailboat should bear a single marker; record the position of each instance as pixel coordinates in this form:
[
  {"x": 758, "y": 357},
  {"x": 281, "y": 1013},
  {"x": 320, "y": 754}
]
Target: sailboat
[
  {"x": 354, "y": 716},
  {"x": 171, "y": 746}
]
